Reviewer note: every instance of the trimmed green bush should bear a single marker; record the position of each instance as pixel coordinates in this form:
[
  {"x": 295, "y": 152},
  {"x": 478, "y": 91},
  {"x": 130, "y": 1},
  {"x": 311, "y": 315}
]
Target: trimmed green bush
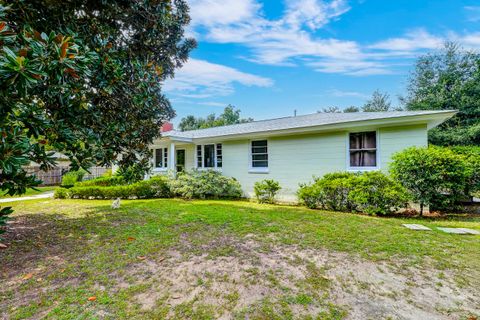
[
  {"x": 329, "y": 192},
  {"x": 375, "y": 193},
  {"x": 156, "y": 187},
  {"x": 434, "y": 176},
  {"x": 369, "y": 192},
  {"x": 266, "y": 190},
  {"x": 102, "y": 182},
  {"x": 205, "y": 184},
  {"x": 71, "y": 177}
]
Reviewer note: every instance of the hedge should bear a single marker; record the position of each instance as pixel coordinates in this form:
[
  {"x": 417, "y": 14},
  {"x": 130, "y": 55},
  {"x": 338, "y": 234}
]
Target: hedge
[
  {"x": 156, "y": 187},
  {"x": 205, "y": 184},
  {"x": 369, "y": 192},
  {"x": 102, "y": 182}
]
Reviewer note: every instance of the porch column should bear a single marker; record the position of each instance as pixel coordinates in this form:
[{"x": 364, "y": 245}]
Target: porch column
[{"x": 171, "y": 159}]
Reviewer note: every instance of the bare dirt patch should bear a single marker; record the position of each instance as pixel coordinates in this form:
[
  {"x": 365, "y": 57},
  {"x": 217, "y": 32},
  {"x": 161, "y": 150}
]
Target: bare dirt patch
[{"x": 303, "y": 282}]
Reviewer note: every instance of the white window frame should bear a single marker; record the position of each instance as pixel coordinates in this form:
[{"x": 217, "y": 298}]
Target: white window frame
[
  {"x": 165, "y": 159},
  {"x": 377, "y": 154},
  {"x": 251, "y": 168},
  {"x": 215, "y": 167}
]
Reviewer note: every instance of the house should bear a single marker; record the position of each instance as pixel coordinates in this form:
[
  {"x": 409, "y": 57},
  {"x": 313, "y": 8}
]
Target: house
[{"x": 293, "y": 149}]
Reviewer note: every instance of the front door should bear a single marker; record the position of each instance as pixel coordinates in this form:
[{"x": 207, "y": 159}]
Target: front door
[{"x": 180, "y": 160}]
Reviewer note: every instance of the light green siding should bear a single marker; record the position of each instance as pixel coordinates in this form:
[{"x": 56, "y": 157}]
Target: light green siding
[
  {"x": 394, "y": 139},
  {"x": 296, "y": 159},
  {"x": 292, "y": 160}
]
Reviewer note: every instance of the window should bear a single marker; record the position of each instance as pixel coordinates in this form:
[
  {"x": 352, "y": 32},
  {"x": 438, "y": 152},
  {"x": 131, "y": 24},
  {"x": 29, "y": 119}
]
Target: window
[
  {"x": 161, "y": 157},
  {"x": 209, "y": 156},
  {"x": 219, "y": 155},
  {"x": 199, "y": 156},
  {"x": 363, "y": 149},
  {"x": 260, "y": 154}
]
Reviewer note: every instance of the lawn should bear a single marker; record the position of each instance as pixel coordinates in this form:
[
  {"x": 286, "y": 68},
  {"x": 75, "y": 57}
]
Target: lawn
[
  {"x": 175, "y": 259},
  {"x": 30, "y": 192}
]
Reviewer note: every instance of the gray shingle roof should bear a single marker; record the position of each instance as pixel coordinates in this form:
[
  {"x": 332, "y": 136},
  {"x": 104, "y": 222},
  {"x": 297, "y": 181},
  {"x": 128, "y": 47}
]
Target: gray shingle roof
[{"x": 303, "y": 121}]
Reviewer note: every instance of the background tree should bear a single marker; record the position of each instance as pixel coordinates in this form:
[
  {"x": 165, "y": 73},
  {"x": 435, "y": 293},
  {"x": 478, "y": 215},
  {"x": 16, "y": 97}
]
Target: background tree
[
  {"x": 378, "y": 102},
  {"x": 84, "y": 78},
  {"x": 330, "y": 110},
  {"x": 229, "y": 116},
  {"x": 448, "y": 80},
  {"x": 351, "y": 109}
]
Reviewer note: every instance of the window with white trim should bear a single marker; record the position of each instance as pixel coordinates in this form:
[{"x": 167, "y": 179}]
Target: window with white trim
[
  {"x": 209, "y": 156},
  {"x": 161, "y": 158},
  {"x": 363, "y": 149},
  {"x": 259, "y": 152}
]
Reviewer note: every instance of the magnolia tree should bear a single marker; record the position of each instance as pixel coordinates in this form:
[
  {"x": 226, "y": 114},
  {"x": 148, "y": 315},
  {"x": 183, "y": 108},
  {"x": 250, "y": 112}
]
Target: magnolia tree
[{"x": 84, "y": 78}]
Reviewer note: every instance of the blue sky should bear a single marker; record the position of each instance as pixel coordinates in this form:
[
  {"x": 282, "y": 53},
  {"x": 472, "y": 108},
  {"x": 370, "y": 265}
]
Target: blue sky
[{"x": 271, "y": 57}]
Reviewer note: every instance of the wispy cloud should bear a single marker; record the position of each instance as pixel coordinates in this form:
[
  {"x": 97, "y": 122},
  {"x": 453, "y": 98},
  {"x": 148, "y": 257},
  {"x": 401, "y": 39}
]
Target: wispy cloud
[
  {"x": 213, "y": 104},
  {"x": 284, "y": 41},
  {"x": 412, "y": 41},
  {"x": 473, "y": 13},
  {"x": 202, "y": 79},
  {"x": 294, "y": 38},
  {"x": 343, "y": 93}
]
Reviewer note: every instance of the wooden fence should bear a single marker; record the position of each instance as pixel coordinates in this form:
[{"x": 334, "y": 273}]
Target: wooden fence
[{"x": 54, "y": 176}]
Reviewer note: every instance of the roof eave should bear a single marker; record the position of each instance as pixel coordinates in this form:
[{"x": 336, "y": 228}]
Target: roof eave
[{"x": 431, "y": 120}]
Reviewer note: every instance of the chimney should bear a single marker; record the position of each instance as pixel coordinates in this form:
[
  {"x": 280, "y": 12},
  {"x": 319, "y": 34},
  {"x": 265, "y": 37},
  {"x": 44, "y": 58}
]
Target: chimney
[{"x": 167, "y": 126}]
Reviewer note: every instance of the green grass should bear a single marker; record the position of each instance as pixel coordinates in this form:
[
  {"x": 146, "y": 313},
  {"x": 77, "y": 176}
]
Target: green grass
[
  {"x": 30, "y": 192},
  {"x": 79, "y": 248}
]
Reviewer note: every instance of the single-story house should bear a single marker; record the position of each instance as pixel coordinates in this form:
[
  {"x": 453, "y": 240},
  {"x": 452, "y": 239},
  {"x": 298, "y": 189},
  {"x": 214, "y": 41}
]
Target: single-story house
[{"x": 293, "y": 149}]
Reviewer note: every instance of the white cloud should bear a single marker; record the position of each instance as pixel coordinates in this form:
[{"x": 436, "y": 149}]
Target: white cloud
[
  {"x": 202, "y": 79},
  {"x": 473, "y": 13},
  {"x": 213, "y": 12},
  {"x": 343, "y": 93},
  {"x": 213, "y": 104},
  {"x": 294, "y": 38},
  {"x": 313, "y": 13},
  {"x": 414, "y": 40}
]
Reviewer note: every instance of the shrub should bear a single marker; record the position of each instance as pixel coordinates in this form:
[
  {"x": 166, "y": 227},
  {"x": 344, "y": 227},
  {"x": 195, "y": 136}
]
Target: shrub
[
  {"x": 205, "y": 184},
  {"x": 471, "y": 157},
  {"x": 132, "y": 174},
  {"x": 156, "y": 187},
  {"x": 102, "y": 182},
  {"x": 369, "y": 192},
  {"x": 434, "y": 176},
  {"x": 266, "y": 190},
  {"x": 375, "y": 193},
  {"x": 329, "y": 192},
  {"x": 71, "y": 177},
  {"x": 60, "y": 193}
]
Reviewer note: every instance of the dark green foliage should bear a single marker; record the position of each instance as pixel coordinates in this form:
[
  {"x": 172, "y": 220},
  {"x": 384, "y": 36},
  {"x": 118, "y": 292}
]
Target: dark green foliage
[
  {"x": 204, "y": 184},
  {"x": 369, "y": 192},
  {"x": 84, "y": 78},
  {"x": 376, "y": 193},
  {"x": 72, "y": 177},
  {"x": 133, "y": 173},
  {"x": 449, "y": 80},
  {"x": 471, "y": 156},
  {"x": 379, "y": 102},
  {"x": 266, "y": 190},
  {"x": 4, "y": 213},
  {"x": 434, "y": 176},
  {"x": 229, "y": 116},
  {"x": 102, "y": 182},
  {"x": 329, "y": 192},
  {"x": 156, "y": 187}
]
